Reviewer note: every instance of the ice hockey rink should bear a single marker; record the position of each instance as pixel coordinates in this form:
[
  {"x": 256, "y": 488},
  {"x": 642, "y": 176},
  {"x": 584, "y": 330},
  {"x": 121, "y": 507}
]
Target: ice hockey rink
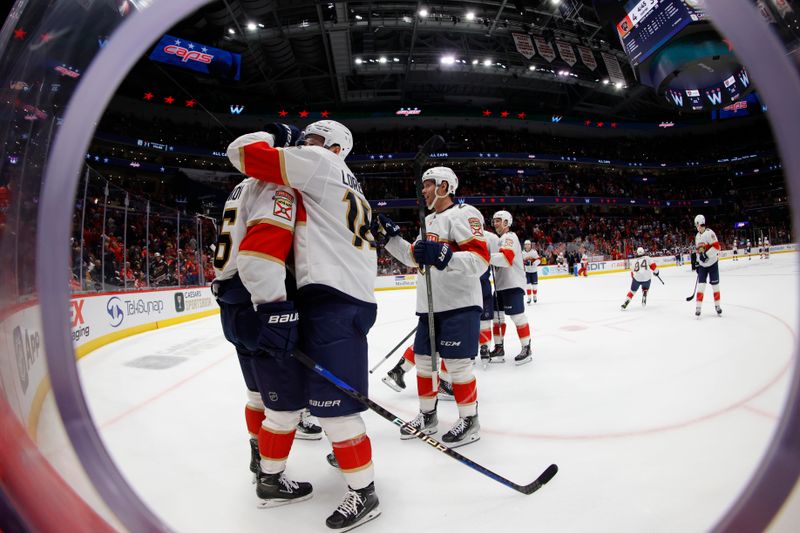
[{"x": 656, "y": 419}]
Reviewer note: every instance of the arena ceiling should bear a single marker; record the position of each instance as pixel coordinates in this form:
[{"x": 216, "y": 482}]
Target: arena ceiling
[{"x": 364, "y": 54}]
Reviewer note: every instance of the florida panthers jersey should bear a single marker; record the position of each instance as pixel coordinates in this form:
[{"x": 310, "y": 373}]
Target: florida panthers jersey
[
  {"x": 256, "y": 236},
  {"x": 642, "y": 268},
  {"x": 458, "y": 285},
  {"x": 509, "y": 272},
  {"x": 334, "y": 218},
  {"x": 708, "y": 240},
  {"x": 531, "y": 260}
]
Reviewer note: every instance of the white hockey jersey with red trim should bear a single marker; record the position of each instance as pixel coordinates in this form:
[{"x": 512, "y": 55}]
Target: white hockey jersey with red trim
[
  {"x": 707, "y": 239},
  {"x": 642, "y": 268},
  {"x": 458, "y": 285},
  {"x": 336, "y": 215},
  {"x": 531, "y": 260},
  {"x": 509, "y": 272},
  {"x": 258, "y": 224}
]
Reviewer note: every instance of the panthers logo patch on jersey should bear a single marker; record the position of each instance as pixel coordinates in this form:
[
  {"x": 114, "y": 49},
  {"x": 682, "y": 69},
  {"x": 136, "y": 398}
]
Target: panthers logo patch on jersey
[
  {"x": 476, "y": 226},
  {"x": 284, "y": 202},
  {"x": 432, "y": 237}
]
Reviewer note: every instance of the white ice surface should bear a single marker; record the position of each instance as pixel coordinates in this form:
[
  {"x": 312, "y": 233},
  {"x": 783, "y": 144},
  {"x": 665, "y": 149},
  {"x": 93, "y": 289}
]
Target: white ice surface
[{"x": 655, "y": 419}]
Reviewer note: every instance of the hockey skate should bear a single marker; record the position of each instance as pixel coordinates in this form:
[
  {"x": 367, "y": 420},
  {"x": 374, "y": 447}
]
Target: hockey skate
[
  {"x": 358, "y": 507},
  {"x": 255, "y": 459},
  {"x": 718, "y": 309},
  {"x": 276, "y": 489},
  {"x": 426, "y": 423},
  {"x": 697, "y": 312},
  {"x": 446, "y": 391},
  {"x": 306, "y": 429},
  {"x": 525, "y": 356},
  {"x": 394, "y": 379},
  {"x": 332, "y": 460},
  {"x": 535, "y": 299},
  {"x": 498, "y": 355},
  {"x": 644, "y": 300},
  {"x": 528, "y": 301},
  {"x": 625, "y": 305},
  {"x": 465, "y": 431}
]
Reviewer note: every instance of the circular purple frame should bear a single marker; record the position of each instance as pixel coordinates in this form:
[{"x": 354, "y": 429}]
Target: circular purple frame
[{"x": 756, "y": 45}]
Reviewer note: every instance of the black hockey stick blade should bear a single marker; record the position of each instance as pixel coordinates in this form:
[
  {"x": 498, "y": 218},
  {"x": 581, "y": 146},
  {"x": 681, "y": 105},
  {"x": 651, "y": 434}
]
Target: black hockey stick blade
[
  {"x": 436, "y": 142},
  {"x": 545, "y": 476},
  {"x": 689, "y": 298}
]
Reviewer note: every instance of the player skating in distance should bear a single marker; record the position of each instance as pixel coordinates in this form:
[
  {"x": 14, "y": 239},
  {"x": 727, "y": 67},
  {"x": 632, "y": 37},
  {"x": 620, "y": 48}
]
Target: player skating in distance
[
  {"x": 708, "y": 248},
  {"x": 509, "y": 286},
  {"x": 642, "y": 271},
  {"x": 531, "y": 260},
  {"x": 584, "y": 269}
]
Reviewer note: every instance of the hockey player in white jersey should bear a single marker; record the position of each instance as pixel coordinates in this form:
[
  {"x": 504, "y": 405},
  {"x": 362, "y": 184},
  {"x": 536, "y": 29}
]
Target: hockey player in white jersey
[
  {"x": 509, "y": 286},
  {"x": 766, "y": 247},
  {"x": 748, "y": 249},
  {"x": 531, "y": 260},
  {"x": 254, "y": 228},
  {"x": 642, "y": 271},
  {"x": 335, "y": 299},
  {"x": 708, "y": 248},
  {"x": 454, "y": 256}
]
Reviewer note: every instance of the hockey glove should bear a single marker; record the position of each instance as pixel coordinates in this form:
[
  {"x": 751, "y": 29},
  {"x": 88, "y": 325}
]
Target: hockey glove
[
  {"x": 432, "y": 253},
  {"x": 384, "y": 228},
  {"x": 278, "y": 334},
  {"x": 702, "y": 256},
  {"x": 285, "y": 135}
]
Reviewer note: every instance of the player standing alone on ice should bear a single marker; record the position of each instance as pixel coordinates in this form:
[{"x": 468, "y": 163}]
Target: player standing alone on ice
[
  {"x": 531, "y": 260},
  {"x": 708, "y": 248},
  {"x": 509, "y": 286},
  {"x": 766, "y": 247},
  {"x": 641, "y": 276},
  {"x": 455, "y": 255},
  {"x": 335, "y": 300}
]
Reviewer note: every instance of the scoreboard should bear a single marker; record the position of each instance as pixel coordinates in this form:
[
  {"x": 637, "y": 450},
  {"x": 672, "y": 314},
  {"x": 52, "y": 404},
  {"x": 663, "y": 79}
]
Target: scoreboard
[{"x": 649, "y": 24}]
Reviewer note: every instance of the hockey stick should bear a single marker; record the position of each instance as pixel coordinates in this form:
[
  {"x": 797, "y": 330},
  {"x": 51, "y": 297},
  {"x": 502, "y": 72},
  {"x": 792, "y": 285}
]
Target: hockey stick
[
  {"x": 530, "y": 488},
  {"x": 434, "y": 143},
  {"x": 689, "y": 298},
  {"x": 661, "y": 280},
  {"x": 388, "y": 355}
]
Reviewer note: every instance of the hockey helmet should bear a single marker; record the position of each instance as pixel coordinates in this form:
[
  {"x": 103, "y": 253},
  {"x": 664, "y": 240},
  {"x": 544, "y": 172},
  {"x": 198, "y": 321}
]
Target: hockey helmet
[
  {"x": 440, "y": 174},
  {"x": 640, "y": 251},
  {"x": 503, "y": 215},
  {"x": 332, "y": 133},
  {"x": 699, "y": 220}
]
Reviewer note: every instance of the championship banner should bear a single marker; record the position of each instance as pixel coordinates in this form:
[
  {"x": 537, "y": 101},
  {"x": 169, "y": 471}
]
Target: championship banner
[
  {"x": 524, "y": 44},
  {"x": 545, "y": 49},
  {"x": 566, "y": 52},
  {"x": 614, "y": 70},
  {"x": 198, "y": 57},
  {"x": 587, "y": 57}
]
